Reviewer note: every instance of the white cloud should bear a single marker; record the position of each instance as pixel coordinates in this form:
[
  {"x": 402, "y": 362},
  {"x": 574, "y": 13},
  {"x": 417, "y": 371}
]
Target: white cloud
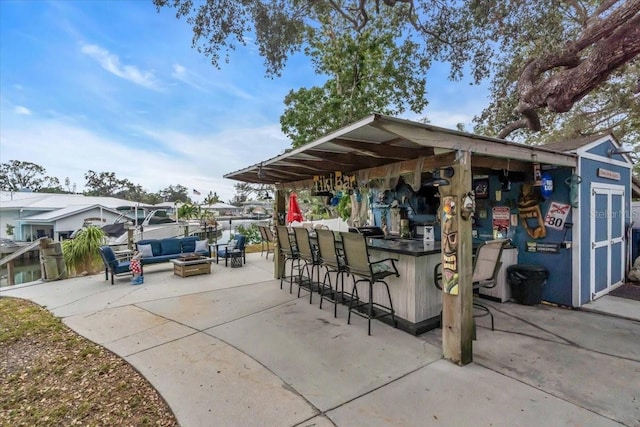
[
  {"x": 111, "y": 63},
  {"x": 194, "y": 160},
  {"x": 22, "y": 110}
]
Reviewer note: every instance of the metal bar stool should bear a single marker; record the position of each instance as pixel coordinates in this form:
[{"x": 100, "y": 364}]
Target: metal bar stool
[
  {"x": 357, "y": 260},
  {"x": 310, "y": 257},
  {"x": 290, "y": 253},
  {"x": 333, "y": 262}
]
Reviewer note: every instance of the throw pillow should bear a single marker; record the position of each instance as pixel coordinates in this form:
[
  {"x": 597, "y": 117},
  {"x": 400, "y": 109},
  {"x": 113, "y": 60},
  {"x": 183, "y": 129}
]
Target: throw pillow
[
  {"x": 202, "y": 245},
  {"x": 145, "y": 251},
  {"x": 232, "y": 244}
]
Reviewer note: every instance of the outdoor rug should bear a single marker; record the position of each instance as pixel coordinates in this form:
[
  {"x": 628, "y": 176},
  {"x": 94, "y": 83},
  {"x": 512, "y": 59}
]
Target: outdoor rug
[{"x": 627, "y": 291}]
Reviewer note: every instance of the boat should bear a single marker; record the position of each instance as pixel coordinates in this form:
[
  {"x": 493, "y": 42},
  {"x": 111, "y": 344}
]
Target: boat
[
  {"x": 149, "y": 222},
  {"x": 8, "y": 246}
]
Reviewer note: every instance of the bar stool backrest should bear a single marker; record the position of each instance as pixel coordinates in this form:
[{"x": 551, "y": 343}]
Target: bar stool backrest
[
  {"x": 327, "y": 248},
  {"x": 356, "y": 254},
  {"x": 284, "y": 242},
  {"x": 487, "y": 263},
  {"x": 303, "y": 243}
]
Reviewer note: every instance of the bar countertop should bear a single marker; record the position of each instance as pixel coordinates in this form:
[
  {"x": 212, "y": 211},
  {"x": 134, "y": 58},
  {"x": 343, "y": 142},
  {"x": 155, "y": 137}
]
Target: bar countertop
[{"x": 411, "y": 247}]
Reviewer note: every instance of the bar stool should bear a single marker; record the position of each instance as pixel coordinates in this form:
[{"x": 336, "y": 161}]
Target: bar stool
[
  {"x": 356, "y": 256},
  {"x": 289, "y": 252},
  {"x": 310, "y": 257},
  {"x": 333, "y": 262}
]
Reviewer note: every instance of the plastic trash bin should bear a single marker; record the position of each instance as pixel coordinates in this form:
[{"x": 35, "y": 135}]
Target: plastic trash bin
[
  {"x": 635, "y": 244},
  {"x": 526, "y": 281}
]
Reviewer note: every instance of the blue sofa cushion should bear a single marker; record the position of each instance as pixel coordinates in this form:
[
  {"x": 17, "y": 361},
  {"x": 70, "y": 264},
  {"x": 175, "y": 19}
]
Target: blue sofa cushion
[
  {"x": 155, "y": 246},
  {"x": 170, "y": 246},
  {"x": 188, "y": 244}
]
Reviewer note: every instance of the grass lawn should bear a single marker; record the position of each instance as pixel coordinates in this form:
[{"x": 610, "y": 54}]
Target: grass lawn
[{"x": 51, "y": 376}]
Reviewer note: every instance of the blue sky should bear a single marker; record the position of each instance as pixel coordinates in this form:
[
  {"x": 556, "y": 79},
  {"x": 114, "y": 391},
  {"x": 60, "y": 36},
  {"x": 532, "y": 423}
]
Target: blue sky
[{"x": 114, "y": 86}]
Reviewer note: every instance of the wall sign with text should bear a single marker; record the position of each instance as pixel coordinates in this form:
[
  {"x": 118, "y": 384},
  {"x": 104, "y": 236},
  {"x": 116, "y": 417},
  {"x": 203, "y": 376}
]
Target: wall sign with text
[
  {"x": 337, "y": 181},
  {"x": 557, "y": 215}
]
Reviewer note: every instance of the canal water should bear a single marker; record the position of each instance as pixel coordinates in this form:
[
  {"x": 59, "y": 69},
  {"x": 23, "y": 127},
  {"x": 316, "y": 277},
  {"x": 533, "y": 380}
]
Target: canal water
[{"x": 26, "y": 270}]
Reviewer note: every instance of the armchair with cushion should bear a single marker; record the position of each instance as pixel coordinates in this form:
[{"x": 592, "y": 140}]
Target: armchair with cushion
[
  {"x": 224, "y": 250},
  {"x": 112, "y": 263}
]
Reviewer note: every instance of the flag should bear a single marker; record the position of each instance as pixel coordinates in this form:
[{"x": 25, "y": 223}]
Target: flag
[{"x": 196, "y": 192}]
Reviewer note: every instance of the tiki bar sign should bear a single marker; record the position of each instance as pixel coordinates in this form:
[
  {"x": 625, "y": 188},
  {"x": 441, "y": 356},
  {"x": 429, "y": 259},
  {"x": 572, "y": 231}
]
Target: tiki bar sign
[{"x": 337, "y": 181}]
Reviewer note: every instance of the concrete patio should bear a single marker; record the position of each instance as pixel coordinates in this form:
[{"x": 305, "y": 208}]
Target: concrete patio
[{"x": 232, "y": 349}]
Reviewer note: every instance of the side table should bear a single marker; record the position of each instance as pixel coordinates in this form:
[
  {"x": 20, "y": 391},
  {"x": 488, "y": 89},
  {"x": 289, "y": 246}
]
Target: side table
[{"x": 236, "y": 258}]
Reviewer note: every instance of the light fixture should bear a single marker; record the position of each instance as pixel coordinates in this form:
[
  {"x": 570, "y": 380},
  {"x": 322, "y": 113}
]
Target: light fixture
[
  {"x": 618, "y": 150},
  {"x": 436, "y": 180}
]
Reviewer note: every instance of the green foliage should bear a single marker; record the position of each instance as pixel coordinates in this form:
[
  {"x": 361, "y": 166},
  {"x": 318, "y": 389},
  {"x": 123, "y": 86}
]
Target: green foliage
[
  {"x": 10, "y": 229},
  {"x": 542, "y": 56},
  {"x": 252, "y": 233},
  {"x": 82, "y": 252},
  {"x": 371, "y": 70},
  {"x": 16, "y": 175},
  {"x": 177, "y": 193},
  {"x": 344, "y": 207}
]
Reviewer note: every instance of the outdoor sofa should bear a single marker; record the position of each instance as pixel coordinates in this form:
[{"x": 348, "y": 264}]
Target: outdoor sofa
[{"x": 153, "y": 251}]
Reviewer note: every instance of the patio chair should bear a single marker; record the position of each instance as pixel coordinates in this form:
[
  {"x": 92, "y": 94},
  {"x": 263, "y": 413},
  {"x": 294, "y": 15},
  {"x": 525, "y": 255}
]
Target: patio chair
[
  {"x": 486, "y": 265},
  {"x": 112, "y": 263},
  {"x": 310, "y": 257},
  {"x": 333, "y": 261},
  {"x": 356, "y": 256},
  {"x": 289, "y": 252},
  {"x": 235, "y": 247},
  {"x": 267, "y": 240}
]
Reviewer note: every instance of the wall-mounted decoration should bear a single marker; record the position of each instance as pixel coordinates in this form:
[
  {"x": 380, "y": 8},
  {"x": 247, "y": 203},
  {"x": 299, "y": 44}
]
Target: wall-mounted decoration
[
  {"x": 483, "y": 213},
  {"x": 481, "y": 188},
  {"x": 557, "y": 215},
  {"x": 529, "y": 212},
  {"x": 501, "y": 220},
  {"x": 547, "y": 248},
  {"x": 449, "y": 246},
  {"x": 573, "y": 181},
  {"x": 547, "y": 185}
]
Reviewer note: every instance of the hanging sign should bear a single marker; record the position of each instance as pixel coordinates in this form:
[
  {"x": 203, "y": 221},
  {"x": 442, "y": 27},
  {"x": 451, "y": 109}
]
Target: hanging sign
[
  {"x": 501, "y": 219},
  {"x": 337, "y": 181},
  {"x": 605, "y": 173},
  {"x": 557, "y": 215}
]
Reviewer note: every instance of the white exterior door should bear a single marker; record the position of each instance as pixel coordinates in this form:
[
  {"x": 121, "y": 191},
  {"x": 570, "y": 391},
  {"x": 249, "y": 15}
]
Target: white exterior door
[{"x": 607, "y": 238}]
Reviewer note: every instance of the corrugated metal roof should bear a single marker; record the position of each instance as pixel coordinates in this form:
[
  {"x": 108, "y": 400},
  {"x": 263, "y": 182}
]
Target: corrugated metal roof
[
  {"x": 379, "y": 140},
  {"x": 65, "y": 212},
  {"x": 51, "y": 201}
]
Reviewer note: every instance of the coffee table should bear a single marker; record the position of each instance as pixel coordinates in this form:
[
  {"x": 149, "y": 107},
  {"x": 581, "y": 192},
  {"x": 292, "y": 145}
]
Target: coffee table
[{"x": 191, "y": 266}]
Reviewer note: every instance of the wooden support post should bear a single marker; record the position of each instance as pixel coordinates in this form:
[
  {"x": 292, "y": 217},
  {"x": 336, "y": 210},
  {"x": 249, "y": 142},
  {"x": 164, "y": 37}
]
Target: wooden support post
[
  {"x": 278, "y": 216},
  {"x": 457, "y": 266},
  {"x": 11, "y": 272}
]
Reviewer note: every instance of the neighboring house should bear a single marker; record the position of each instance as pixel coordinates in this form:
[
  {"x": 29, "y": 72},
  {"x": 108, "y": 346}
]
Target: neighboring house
[{"x": 35, "y": 215}]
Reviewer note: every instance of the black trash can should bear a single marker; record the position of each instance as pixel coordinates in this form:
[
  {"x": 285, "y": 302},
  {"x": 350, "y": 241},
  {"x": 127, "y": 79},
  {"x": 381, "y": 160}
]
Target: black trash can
[{"x": 526, "y": 282}]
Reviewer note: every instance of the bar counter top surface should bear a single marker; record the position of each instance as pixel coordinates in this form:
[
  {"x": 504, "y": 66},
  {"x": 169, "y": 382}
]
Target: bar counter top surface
[{"x": 412, "y": 247}]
